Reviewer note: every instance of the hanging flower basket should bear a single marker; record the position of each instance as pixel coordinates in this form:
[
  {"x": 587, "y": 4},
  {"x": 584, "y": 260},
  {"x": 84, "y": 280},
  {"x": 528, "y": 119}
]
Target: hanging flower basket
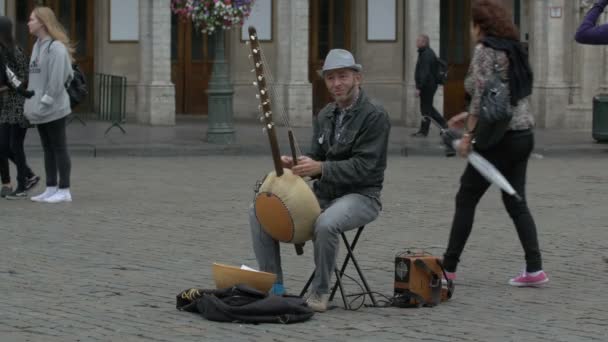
[{"x": 210, "y": 16}]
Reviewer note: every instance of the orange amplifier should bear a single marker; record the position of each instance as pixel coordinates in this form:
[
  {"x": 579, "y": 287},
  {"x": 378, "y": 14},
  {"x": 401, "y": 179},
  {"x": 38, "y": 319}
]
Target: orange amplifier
[{"x": 420, "y": 279}]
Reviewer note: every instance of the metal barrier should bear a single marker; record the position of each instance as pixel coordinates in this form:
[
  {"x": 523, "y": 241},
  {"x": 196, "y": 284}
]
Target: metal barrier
[{"x": 110, "y": 99}]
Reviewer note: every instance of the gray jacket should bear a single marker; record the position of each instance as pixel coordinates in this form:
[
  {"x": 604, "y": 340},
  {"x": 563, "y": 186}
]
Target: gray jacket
[
  {"x": 50, "y": 69},
  {"x": 356, "y": 161}
]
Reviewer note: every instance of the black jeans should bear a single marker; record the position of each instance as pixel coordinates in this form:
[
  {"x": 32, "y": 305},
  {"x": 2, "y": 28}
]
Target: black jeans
[
  {"x": 12, "y": 137},
  {"x": 427, "y": 110},
  {"x": 56, "y": 157},
  {"x": 510, "y": 156}
]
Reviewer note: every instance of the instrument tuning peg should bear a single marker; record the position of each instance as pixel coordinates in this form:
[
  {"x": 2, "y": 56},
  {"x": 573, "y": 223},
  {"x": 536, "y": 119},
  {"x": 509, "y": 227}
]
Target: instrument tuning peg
[
  {"x": 252, "y": 37},
  {"x": 255, "y": 84},
  {"x": 258, "y": 64},
  {"x": 252, "y": 70},
  {"x": 257, "y": 96},
  {"x": 269, "y": 126},
  {"x": 255, "y": 51},
  {"x": 260, "y": 78},
  {"x": 263, "y": 92},
  {"x": 247, "y": 42},
  {"x": 262, "y": 119},
  {"x": 267, "y": 114}
]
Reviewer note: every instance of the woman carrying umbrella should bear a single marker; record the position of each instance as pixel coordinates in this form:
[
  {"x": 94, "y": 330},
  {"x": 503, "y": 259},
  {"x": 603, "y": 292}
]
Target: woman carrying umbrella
[{"x": 498, "y": 49}]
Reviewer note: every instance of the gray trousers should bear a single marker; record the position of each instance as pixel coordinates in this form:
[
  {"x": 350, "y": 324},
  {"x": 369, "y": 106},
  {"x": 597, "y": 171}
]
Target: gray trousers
[{"x": 342, "y": 214}]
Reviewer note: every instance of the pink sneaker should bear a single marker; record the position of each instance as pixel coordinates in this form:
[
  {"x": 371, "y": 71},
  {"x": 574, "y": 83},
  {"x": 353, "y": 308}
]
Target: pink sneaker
[
  {"x": 450, "y": 275},
  {"x": 530, "y": 279}
]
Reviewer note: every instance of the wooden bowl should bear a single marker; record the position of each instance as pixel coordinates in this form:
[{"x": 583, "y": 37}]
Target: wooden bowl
[{"x": 227, "y": 276}]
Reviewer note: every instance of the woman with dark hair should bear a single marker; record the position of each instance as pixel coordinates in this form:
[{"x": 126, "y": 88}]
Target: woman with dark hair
[
  {"x": 498, "y": 50},
  {"x": 13, "y": 125}
]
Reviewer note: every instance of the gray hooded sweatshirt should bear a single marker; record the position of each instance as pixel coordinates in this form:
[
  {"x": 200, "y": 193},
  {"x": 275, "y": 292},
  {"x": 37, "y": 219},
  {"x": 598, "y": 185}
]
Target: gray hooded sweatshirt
[{"x": 50, "y": 69}]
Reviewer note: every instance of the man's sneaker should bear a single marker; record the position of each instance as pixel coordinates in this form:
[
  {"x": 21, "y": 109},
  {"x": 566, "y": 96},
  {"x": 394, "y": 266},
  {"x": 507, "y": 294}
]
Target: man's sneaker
[
  {"x": 49, "y": 191},
  {"x": 6, "y": 190},
  {"x": 31, "y": 182},
  {"x": 62, "y": 195},
  {"x": 530, "y": 279},
  {"x": 17, "y": 195},
  {"x": 318, "y": 302}
]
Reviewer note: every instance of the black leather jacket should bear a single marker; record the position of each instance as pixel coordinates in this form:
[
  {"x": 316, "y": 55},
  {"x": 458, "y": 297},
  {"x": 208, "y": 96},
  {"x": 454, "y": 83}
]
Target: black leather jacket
[{"x": 355, "y": 163}]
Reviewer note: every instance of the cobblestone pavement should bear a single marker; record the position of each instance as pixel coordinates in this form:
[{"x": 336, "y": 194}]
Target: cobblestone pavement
[{"x": 107, "y": 267}]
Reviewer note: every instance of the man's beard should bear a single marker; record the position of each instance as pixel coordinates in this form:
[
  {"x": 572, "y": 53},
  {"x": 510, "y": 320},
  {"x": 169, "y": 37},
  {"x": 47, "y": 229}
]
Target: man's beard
[{"x": 348, "y": 97}]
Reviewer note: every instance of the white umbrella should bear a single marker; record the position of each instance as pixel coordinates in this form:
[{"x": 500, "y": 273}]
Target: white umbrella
[
  {"x": 482, "y": 165},
  {"x": 490, "y": 172}
]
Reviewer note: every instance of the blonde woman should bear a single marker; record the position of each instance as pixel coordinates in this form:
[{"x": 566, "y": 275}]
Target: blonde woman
[{"x": 50, "y": 69}]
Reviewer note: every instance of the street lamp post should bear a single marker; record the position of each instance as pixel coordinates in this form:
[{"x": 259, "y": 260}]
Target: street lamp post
[{"x": 219, "y": 91}]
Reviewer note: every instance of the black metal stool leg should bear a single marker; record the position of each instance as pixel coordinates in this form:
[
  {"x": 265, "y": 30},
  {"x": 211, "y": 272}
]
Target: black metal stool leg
[
  {"x": 349, "y": 247},
  {"x": 307, "y": 285},
  {"x": 369, "y": 291},
  {"x": 339, "y": 283}
]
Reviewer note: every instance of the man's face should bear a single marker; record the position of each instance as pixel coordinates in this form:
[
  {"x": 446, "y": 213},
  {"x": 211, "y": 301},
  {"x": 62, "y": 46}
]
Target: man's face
[
  {"x": 342, "y": 83},
  {"x": 420, "y": 42}
]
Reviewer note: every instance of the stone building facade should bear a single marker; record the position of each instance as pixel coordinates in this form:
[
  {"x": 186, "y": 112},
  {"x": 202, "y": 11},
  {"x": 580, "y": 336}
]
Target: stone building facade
[{"x": 168, "y": 66}]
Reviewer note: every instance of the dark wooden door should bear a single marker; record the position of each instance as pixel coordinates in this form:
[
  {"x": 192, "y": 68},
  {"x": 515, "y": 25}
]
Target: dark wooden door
[
  {"x": 77, "y": 18},
  {"x": 191, "y": 63},
  {"x": 329, "y": 29},
  {"x": 456, "y": 49}
]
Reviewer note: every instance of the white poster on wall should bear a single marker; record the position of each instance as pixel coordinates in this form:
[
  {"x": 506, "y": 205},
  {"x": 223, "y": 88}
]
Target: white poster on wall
[
  {"x": 261, "y": 19},
  {"x": 2, "y": 7},
  {"x": 124, "y": 20},
  {"x": 382, "y": 20}
]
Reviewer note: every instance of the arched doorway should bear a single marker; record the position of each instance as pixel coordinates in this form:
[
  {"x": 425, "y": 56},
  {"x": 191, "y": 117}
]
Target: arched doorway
[
  {"x": 191, "y": 64},
  {"x": 330, "y": 22},
  {"x": 456, "y": 51}
]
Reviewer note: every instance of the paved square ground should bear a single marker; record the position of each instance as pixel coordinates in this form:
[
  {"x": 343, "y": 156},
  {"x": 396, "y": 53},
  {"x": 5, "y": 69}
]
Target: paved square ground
[{"x": 107, "y": 267}]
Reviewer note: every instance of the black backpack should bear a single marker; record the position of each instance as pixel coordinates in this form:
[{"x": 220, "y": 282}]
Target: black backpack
[
  {"x": 442, "y": 71},
  {"x": 244, "y": 304},
  {"x": 77, "y": 86},
  {"x": 495, "y": 112}
]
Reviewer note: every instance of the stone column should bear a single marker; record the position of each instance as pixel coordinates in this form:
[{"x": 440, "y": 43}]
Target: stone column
[
  {"x": 155, "y": 91},
  {"x": 292, "y": 61},
  {"x": 420, "y": 17},
  {"x": 550, "y": 59}
]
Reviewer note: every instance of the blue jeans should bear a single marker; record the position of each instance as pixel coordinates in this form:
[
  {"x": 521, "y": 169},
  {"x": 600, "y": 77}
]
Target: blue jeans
[{"x": 340, "y": 215}]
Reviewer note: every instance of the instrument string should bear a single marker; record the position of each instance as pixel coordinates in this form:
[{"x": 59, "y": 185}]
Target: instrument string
[{"x": 283, "y": 111}]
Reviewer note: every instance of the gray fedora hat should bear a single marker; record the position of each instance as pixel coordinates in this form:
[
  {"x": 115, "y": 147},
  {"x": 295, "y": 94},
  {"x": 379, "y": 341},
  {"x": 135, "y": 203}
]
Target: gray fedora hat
[{"x": 339, "y": 59}]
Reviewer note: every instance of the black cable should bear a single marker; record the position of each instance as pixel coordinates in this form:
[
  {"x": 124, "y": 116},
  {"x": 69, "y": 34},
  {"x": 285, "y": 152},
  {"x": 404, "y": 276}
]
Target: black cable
[{"x": 388, "y": 301}]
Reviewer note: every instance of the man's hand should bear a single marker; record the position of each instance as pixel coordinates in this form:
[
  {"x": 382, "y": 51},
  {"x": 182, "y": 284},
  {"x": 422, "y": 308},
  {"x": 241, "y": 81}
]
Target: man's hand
[
  {"x": 417, "y": 92},
  {"x": 287, "y": 162},
  {"x": 307, "y": 167}
]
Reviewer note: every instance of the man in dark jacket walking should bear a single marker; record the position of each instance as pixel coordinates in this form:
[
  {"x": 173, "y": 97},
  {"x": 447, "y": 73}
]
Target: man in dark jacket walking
[{"x": 426, "y": 85}]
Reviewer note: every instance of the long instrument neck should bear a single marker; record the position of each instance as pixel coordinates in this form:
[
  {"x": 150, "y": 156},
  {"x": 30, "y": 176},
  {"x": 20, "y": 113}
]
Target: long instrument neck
[{"x": 276, "y": 154}]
